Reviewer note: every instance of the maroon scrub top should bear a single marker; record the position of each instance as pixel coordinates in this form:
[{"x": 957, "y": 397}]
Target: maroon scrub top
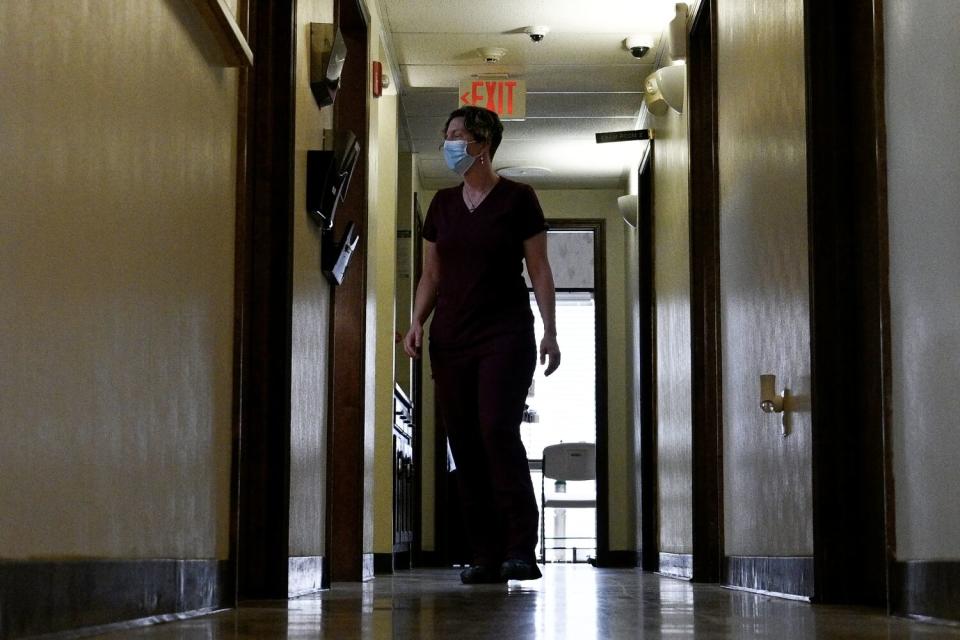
[{"x": 481, "y": 294}]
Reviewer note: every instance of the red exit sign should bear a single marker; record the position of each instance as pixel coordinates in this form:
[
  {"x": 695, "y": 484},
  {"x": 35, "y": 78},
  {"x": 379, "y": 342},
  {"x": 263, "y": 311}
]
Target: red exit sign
[{"x": 506, "y": 96}]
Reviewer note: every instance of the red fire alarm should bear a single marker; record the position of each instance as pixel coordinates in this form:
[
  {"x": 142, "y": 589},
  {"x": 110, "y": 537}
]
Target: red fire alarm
[{"x": 377, "y": 78}]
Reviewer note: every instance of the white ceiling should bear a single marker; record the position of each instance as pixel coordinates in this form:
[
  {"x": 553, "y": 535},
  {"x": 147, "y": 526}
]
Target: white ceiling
[{"x": 580, "y": 79}]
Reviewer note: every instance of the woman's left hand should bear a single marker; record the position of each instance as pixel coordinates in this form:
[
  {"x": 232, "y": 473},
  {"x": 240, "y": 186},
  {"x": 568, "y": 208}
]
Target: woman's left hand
[{"x": 549, "y": 349}]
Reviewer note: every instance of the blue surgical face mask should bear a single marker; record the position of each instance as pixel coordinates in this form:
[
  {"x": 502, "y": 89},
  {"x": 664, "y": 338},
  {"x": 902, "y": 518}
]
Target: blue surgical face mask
[{"x": 455, "y": 153}]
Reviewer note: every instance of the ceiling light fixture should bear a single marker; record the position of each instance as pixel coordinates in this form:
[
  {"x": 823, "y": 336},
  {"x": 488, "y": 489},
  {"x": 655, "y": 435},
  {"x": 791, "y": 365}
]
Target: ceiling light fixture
[{"x": 523, "y": 172}]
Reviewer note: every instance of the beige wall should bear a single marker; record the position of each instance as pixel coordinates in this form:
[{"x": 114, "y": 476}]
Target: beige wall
[
  {"x": 117, "y": 218},
  {"x": 310, "y": 321},
  {"x": 428, "y": 434},
  {"x": 923, "y": 89},
  {"x": 632, "y": 311},
  {"x": 428, "y": 452},
  {"x": 575, "y": 204},
  {"x": 765, "y": 326},
  {"x": 381, "y": 294},
  {"x": 403, "y": 307},
  {"x": 672, "y": 339}
]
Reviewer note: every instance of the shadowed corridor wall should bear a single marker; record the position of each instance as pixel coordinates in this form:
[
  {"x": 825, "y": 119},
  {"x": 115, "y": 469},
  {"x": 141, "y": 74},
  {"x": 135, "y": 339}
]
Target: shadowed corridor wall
[{"x": 117, "y": 244}]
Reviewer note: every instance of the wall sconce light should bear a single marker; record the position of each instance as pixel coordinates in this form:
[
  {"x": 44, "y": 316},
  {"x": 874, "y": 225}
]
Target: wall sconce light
[
  {"x": 629, "y": 209},
  {"x": 664, "y": 89}
]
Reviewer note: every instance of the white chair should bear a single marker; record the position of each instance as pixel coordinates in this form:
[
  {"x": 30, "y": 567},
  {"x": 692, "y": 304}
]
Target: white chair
[{"x": 567, "y": 461}]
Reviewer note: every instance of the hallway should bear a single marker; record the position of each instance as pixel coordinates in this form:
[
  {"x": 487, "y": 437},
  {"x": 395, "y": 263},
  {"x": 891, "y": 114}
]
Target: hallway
[
  {"x": 196, "y": 409},
  {"x": 572, "y": 601}
]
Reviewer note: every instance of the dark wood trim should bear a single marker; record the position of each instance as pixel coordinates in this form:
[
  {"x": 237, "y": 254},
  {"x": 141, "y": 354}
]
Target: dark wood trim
[
  {"x": 603, "y": 438},
  {"x": 847, "y": 228},
  {"x": 928, "y": 590},
  {"x": 626, "y": 559},
  {"x": 267, "y": 275},
  {"x": 306, "y": 574},
  {"x": 383, "y": 564},
  {"x": 571, "y": 290},
  {"x": 346, "y": 472},
  {"x": 675, "y": 565},
  {"x": 791, "y": 576},
  {"x": 402, "y": 558},
  {"x": 706, "y": 373},
  {"x": 648, "y": 512},
  {"x": 82, "y": 596},
  {"x": 390, "y": 563}
]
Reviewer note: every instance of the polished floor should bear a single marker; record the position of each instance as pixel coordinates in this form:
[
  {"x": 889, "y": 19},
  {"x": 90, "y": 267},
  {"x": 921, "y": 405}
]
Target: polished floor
[{"x": 575, "y": 602}]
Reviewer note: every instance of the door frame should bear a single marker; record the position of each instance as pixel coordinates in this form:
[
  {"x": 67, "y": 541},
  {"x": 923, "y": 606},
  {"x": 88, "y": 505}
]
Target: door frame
[
  {"x": 597, "y": 226},
  {"x": 260, "y": 497},
  {"x": 705, "y": 362},
  {"x": 346, "y": 423},
  {"x": 853, "y": 515},
  {"x": 649, "y": 552},
  {"x": 853, "y": 509}
]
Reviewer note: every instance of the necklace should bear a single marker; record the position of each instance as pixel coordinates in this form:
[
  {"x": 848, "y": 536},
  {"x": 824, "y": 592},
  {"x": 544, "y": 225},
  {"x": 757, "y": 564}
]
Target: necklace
[{"x": 472, "y": 203}]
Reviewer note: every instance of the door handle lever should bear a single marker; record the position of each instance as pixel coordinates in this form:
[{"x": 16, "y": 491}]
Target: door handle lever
[
  {"x": 770, "y": 400},
  {"x": 773, "y": 402}
]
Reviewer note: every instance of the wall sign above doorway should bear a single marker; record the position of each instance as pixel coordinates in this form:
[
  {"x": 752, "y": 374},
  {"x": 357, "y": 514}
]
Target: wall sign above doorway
[{"x": 506, "y": 96}]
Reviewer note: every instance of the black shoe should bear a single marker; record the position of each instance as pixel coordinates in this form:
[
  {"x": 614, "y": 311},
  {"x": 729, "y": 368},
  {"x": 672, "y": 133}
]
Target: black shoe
[
  {"x": 480, "y": 574},
  {"x": 519, "y": 570}
]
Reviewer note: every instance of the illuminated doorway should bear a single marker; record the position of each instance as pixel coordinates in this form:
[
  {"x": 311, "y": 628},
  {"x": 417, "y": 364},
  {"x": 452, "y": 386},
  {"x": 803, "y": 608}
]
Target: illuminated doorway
[{"x": 563, "y": 408}]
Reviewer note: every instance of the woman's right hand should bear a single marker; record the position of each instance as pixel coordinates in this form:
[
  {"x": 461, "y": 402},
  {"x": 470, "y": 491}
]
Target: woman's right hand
[
  {"x": 413, "y": 340},
  {"x": 424, "y": 300}
]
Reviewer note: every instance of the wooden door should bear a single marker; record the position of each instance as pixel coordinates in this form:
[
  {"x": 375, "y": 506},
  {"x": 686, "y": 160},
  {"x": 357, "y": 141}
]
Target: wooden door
[
  {"x": 803, "y": 264},
  {"x": 764, "y": 295}
]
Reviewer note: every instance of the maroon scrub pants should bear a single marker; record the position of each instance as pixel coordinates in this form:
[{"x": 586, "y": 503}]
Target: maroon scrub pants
[{"x": 481, "y": 391}]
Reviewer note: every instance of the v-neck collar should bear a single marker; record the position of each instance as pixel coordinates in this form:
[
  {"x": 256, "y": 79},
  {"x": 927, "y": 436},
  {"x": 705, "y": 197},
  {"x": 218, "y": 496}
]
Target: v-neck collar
[{"x": 486, "y": 197}]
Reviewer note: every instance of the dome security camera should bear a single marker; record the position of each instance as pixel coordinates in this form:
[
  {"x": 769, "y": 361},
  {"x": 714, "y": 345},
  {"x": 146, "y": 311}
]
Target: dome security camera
[
  {"x": 537, "y": 33},
  {"x": 638, "y": 46}
]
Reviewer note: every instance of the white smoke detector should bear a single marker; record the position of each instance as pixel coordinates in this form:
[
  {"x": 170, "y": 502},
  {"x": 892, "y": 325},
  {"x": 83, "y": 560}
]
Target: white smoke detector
[{"x": 491, "y": 55}]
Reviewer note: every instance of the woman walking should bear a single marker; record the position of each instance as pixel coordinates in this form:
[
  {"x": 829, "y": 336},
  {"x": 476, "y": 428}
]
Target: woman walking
[{"x": 482, "y": 346}]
